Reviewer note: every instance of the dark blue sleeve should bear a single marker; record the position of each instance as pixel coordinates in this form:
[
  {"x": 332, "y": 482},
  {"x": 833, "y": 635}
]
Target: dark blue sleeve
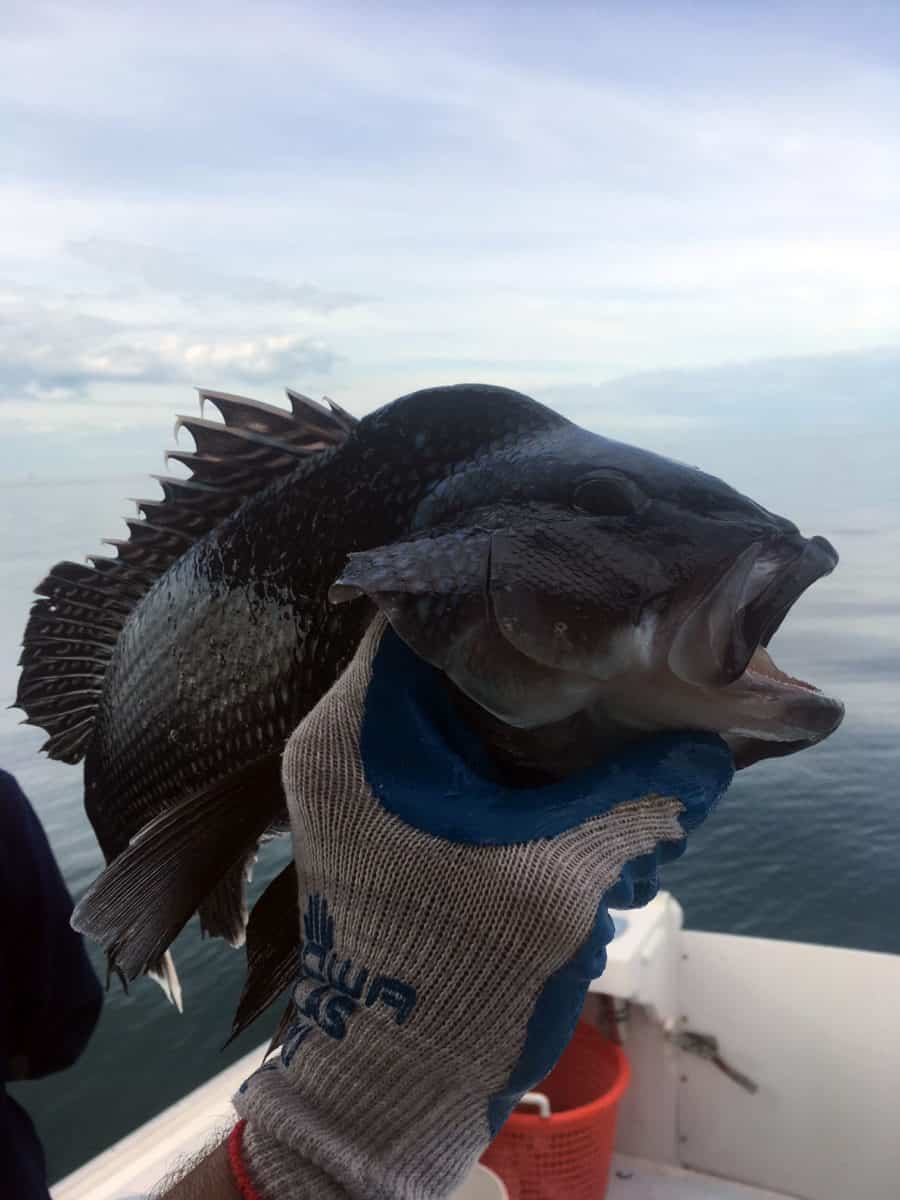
[{"x": 50, "y": 998}]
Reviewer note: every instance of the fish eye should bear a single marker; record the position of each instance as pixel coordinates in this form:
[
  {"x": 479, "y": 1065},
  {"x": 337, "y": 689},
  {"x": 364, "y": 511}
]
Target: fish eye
[{"x": 607, "y": 494}]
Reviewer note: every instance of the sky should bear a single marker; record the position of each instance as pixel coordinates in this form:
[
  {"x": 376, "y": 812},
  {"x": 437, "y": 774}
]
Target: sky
[{"x": 634, "y": 206}]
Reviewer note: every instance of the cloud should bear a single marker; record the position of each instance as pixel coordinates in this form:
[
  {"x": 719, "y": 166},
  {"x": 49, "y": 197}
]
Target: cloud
[
  {"x": 194, "y": 280},
  {"x": 264, "y": 358},
  {"x": 770, "y": 395},
  {"x": 53, "y": 355}
]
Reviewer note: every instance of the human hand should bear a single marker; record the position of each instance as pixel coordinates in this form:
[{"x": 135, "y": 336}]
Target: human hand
[{"x": 450, "y": 928}]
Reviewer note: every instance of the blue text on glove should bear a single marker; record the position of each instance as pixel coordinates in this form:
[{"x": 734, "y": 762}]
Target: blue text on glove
[{"x": 330, "y": 990}]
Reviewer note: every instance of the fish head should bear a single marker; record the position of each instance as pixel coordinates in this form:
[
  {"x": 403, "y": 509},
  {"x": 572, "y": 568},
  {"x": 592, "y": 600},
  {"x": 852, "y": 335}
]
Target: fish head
[{"x": 567, "y": 574}]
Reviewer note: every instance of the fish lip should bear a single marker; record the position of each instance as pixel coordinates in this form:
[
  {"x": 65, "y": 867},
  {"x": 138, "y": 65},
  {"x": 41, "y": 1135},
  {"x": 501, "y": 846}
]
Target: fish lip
[{"x": 813, "y": 716}]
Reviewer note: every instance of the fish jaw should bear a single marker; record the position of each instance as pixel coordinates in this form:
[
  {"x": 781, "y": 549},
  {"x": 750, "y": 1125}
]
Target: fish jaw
[
  {"x": 789, "y": 713},
  {"x": 762, "y": 714}
]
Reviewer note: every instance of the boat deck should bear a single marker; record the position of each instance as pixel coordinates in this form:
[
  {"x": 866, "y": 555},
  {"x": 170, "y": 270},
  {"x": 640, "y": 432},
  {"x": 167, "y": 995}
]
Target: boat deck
[{"x": 636, "y": 1179}]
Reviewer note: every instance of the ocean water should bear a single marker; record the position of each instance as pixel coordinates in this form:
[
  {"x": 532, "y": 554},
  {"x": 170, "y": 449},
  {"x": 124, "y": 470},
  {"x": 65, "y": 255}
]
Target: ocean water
[{"x": 804, "y": 848}]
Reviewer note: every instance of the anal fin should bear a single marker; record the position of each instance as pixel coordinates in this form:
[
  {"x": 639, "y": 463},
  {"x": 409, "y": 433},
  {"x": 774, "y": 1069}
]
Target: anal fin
[
  {"x": 143, "y": 899},
  {"x": 273, "y": 940},
  {"x": 163, "y": 972}
]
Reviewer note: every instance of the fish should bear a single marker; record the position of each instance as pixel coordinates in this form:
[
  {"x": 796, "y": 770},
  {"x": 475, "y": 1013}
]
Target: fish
[{"x": 572, "y": 592}]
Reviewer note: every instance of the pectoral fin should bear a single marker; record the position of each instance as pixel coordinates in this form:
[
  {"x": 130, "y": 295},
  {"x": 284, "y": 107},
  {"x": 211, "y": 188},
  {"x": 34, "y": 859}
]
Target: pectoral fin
[{"x": 433, "y": 590}]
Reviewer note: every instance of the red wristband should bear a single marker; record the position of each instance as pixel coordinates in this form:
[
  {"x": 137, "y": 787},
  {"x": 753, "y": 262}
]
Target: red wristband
[{"x": 238, "y": 1170}]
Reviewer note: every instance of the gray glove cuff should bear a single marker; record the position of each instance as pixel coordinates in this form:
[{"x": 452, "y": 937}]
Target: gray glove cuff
[{"x": 277, "y": 1172}]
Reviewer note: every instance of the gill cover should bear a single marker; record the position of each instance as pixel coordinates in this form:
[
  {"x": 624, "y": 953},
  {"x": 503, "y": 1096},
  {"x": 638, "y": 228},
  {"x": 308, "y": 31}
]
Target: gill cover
[{"x": 571, "y": 595}]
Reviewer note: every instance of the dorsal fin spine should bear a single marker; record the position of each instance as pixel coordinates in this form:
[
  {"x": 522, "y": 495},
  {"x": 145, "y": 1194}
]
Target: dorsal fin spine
[{"x": 82, "y": 607}]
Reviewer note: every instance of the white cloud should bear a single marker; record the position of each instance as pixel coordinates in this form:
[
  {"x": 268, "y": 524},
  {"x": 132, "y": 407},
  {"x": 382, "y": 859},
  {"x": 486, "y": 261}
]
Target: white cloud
[
  {"x": 51, "y": 355},
  {"x": 262, "y": 358}
]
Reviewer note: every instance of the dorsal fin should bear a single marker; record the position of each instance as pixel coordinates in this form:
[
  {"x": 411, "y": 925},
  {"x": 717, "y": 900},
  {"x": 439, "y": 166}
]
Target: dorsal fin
[{"x": 74, "y": 625}]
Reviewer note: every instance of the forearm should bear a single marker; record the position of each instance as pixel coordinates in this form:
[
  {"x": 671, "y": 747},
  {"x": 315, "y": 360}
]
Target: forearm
[{"x": 206, "y": 1178}]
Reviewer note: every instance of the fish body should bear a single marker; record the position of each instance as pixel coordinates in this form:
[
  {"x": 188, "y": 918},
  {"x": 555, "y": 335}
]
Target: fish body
[{"x": 573, "y": 591}]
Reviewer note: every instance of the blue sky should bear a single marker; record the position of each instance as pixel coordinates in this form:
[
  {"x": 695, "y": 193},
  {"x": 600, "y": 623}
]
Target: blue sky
[{"x": 365, "y": 199}]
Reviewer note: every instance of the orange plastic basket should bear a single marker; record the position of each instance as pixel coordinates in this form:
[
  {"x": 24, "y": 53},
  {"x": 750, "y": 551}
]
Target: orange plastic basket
[{"x": 567, "y": 1155}]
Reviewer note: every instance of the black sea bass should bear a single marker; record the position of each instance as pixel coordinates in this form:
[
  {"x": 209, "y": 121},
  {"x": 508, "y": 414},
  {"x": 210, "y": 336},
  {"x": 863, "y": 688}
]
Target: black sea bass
[{"x": 575, "y": 592}]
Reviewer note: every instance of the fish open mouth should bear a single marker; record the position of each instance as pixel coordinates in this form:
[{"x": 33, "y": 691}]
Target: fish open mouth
[
  {"x": 762, "y": 665},
  {"x": 723, "y": 642},
  {"x": 773, "y": 580}
]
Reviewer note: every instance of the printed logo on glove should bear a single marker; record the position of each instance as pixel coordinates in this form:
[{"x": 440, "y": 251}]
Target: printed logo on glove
[{"x": 328, "y": 992}]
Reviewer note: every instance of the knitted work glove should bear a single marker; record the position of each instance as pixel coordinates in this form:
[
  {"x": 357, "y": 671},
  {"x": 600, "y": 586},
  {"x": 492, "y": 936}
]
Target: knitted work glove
[{"x": 450, "y": 929}]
